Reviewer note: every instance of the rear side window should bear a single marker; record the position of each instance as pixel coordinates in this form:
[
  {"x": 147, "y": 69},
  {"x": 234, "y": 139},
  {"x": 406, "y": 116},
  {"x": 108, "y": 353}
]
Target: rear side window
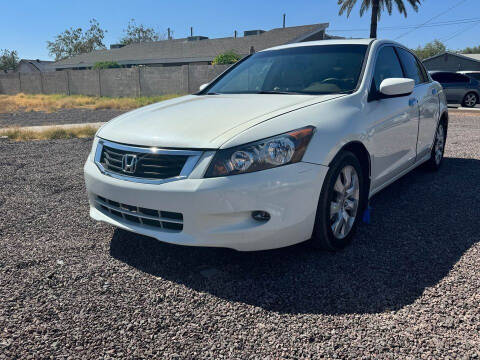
[
  {"x": 474, "y": 75},
  {"x": 387, "y": 66},
  {"x": 441, "y": 78},
  {"x": 461, "y": 78},
  {"x": 412, "y": 67},
  {"x": 450, "y": 78}
]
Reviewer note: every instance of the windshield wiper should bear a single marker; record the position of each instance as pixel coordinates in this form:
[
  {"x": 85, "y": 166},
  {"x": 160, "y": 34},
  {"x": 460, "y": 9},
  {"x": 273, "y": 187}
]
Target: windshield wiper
[
  {"x": 260, "y": 92},
  {"x": 276, "y": 92}
]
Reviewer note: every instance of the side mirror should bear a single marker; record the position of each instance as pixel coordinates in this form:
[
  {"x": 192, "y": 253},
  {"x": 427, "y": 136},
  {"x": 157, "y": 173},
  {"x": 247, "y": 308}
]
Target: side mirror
[
  {"x": 203, "y": 86},
  {"x": 397, "y": 87}
]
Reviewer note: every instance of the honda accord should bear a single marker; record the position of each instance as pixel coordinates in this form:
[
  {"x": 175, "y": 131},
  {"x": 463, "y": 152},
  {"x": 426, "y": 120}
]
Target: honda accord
[{"x": 285, "y": 146}]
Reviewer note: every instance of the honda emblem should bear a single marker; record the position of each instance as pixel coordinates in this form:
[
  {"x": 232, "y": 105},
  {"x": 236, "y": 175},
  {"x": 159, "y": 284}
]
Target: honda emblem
[{"x": 129, "y": 163}]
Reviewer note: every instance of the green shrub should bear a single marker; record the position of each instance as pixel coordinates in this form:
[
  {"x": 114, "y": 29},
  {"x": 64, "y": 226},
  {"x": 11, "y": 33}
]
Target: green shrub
[
  {"x": 229, "y": 57},
  {"x": 106, "y": 65}
]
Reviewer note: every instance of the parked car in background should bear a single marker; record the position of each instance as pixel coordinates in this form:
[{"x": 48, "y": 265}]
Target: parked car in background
[
  {"x": 472, "y": 74},
  {"x": 287, "y": 145},
  {"x": 459, "y": 88}
]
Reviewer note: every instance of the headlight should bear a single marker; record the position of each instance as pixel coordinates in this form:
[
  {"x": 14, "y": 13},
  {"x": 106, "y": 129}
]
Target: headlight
[
  {"x": 94, "y": 147},
  {"x": 264, "y": 154}
]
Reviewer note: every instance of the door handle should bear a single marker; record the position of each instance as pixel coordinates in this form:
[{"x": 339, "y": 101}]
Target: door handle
[{"x": 413, "y": 101}]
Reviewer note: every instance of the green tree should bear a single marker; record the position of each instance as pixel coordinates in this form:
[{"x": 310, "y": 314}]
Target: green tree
[
  {"x": 106, "y": 65},
  {"x": 473, "y": 50},
  {"x": 76, "y": 41},
  {"x": 8, "y": 59},
  {"x": 229, "y": 57},
  {"x": 378, "y": 6},
  {"x": 430, "y": 49},
  {"x": 139, "y": 33}
]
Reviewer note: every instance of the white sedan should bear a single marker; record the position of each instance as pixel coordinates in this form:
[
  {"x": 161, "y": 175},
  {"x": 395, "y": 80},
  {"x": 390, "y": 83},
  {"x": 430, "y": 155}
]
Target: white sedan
[{"x": 285, "y": 146}]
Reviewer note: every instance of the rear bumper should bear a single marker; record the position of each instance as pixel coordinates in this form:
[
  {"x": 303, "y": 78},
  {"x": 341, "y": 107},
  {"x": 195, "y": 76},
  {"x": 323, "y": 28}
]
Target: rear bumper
[{"x": 217, "y": 211}]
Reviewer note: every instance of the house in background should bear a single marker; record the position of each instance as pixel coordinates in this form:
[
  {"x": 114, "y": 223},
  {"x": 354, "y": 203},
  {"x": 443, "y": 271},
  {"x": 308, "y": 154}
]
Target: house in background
[
  {"x": 196, "y": 50},
  {"x": 449, "y": 61},
  {"x": 34, "y": 66}
]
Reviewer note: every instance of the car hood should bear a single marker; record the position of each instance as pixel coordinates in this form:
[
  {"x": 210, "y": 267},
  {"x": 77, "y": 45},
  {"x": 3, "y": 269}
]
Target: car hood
[{"x": 204, "y": 122}]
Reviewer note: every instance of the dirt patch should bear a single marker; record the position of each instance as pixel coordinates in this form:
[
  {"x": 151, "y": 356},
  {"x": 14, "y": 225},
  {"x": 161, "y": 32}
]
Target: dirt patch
[
  {"x": 407, "y": 288},
  {"x": 61, "y": 117}
]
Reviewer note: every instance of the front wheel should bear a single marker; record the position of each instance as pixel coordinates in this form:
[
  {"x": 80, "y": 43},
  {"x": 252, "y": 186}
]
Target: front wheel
[
  {"x": 470, "y": 100},
  {"x": 438, "y": 148},
  {"x": 341, "y": 202}
]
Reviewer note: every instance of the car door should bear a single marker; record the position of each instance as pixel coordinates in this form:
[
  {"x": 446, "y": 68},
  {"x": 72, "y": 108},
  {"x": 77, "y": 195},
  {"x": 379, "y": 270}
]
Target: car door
[
  {"x": 393, "y": 124},
  {"x": 447, "y": 82},
  {"x": 459, "y": 87},
  {"x": 455, "y": 86},
  {"x": 425, "y": 93}
]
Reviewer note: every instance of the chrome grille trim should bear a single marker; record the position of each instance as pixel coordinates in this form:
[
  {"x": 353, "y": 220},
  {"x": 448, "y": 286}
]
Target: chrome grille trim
[
  {"x": 189, "y": 165},
  {"x": 120, "y": 210}
]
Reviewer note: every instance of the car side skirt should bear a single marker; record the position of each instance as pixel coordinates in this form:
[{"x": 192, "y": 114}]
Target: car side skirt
[{"x": 404, "y": 172}]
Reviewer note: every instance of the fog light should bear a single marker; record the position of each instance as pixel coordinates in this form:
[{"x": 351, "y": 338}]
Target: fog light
[{"x": 261, "y": 216}]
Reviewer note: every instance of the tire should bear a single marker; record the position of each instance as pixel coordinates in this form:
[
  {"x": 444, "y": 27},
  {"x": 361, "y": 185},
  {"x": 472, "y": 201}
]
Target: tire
[
  {"x": 334, "y": 202},
  {"x": 470, "y": 100},
  {"x": 438, "y": 148}
]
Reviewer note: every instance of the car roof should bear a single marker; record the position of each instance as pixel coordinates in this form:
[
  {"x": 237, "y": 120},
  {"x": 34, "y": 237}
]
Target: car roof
[
  {"x": 328, "y": 42},
  {"x": 441, "y": 72}
]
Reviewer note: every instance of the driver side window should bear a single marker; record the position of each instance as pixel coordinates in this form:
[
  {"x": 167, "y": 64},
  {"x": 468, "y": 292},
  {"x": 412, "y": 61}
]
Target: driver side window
[{"x": 387, "y": 66}]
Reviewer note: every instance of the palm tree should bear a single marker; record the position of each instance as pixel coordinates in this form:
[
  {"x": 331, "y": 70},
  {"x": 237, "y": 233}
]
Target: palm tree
[{"x": 378, "y": 6}]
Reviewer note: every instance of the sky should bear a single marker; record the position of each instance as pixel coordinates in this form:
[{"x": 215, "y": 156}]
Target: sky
[{"x": 25, "y": 26}]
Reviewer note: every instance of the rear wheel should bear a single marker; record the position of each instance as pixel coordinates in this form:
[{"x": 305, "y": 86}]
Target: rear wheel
[
  {"x": 341, "y": 203},
  {"x": 470, "y": 100}
]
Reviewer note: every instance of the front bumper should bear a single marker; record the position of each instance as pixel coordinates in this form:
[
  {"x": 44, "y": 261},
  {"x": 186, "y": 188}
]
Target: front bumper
[{"x": 217, "y": 211}]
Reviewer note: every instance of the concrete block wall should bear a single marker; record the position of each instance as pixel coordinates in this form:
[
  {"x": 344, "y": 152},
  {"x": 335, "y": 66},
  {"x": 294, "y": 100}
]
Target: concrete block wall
[
  {"x": 129, "y": 82},
  {"x": 84, "y": 82},
  {"x": 163, "y": 80},
  {"x": 119, "y": 82},
  {"x": 31, "y": 83},
  {"x": 201, "y": 74},
  {"x": 55, "y": 82},
  {"x": 9, "y": 83}
]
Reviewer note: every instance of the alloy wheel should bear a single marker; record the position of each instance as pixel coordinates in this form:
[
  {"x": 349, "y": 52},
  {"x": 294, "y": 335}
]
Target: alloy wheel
[
  {"x": 344, "y": 204},
  {"x": 470, "y": 100},
  {"x": 439, "y": 144}
]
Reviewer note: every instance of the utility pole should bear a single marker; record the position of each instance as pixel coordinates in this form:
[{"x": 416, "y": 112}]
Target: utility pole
[{"x": 284, "y": 16}]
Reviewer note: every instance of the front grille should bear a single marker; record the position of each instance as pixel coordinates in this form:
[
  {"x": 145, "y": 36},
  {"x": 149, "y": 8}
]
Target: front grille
[
  {"x": 148, "y": 165},
  {"x": 164, "y": 220}
]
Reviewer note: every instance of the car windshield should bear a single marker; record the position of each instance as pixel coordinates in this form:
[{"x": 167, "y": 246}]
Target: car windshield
[{"x": 326, "y": 69}]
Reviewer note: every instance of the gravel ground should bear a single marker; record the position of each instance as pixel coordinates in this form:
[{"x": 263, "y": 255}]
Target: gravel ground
[
  {"x": 67, "y": 116},
  {"x": 409, "y": 286}
]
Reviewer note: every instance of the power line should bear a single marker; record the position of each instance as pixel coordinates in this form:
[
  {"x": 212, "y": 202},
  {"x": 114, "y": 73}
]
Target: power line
[
  {"x": 460, "y": 32},
  {"x": 436, "y": 24},
  {"x": 433, "y": 18}
]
